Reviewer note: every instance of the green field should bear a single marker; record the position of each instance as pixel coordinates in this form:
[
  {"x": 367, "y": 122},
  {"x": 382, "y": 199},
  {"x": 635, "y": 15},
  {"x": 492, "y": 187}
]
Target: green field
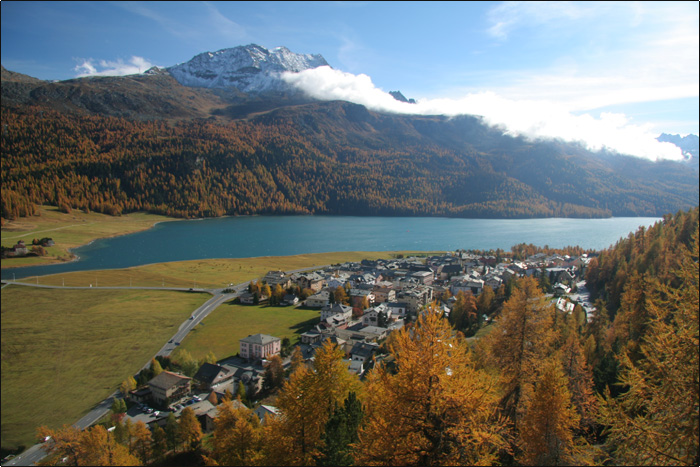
[
  {"x": 63, "y": 351},
  {"x": 221, "y": 331},
  {"x": 68, "y": 231}
]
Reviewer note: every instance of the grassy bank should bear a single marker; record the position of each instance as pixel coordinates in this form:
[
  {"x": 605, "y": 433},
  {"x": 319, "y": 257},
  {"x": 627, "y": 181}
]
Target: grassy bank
[
  {"x": 221, "y": 331},
  {"x": 63, "y": 351},
  {"x": 68, "y": 231},
  {"x": 206, "y": 273}
]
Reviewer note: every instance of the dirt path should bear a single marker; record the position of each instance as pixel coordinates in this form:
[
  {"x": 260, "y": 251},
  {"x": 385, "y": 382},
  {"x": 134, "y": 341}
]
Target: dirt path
[{"x": 42, "y": 231}]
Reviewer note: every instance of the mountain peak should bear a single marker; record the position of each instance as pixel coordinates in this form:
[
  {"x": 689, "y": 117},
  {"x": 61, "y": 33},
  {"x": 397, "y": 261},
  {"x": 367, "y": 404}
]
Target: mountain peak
[
  {"x": 250, "y": 68},
  {"x": 401, "y": 98}
]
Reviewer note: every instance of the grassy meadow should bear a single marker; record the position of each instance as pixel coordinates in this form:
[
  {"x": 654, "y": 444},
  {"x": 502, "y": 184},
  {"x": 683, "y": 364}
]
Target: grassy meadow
[
  {"x": 68, "y": 231},
  {"x": 63, "y": 351},
  {"x": 220, "y": 331}
]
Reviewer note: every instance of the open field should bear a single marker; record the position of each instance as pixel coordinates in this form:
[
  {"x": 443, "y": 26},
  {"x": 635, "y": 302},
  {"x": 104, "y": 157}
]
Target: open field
[
  {"x": 63, "y": 351},
  {"x": 68, "y": 231},
  {"x": 205, "y": 273},
  {"x": 221, "y": 330}
]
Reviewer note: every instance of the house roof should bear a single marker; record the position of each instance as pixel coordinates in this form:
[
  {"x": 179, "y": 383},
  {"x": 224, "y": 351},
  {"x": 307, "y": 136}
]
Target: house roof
[
  {"x": 363, "y": 349},
  {"x": 168, "y": 379},
  {"x": 208, "y": 372},
  {"x": 260, "y": 339}
]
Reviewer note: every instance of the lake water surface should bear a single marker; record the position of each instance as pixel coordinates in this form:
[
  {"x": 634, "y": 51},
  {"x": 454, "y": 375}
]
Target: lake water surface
[{"x": 245, "y": 237}]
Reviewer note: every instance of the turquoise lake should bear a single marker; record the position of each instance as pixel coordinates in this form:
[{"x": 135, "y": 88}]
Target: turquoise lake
[{"x": 245, "y": 237}]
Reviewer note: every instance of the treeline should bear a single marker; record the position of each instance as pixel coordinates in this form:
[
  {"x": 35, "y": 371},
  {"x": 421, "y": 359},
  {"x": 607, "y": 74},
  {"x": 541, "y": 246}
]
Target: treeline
[
  {"x": 525, "y": 394},
  {"x": 204, "y": 168}
]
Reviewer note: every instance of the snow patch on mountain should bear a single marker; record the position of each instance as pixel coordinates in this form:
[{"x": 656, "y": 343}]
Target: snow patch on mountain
[{"x": 250, "y": 68}]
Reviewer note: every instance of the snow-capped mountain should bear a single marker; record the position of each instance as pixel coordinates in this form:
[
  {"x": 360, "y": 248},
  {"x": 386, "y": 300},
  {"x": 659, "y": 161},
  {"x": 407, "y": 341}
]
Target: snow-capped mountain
[{"x": 250, "y": 68}]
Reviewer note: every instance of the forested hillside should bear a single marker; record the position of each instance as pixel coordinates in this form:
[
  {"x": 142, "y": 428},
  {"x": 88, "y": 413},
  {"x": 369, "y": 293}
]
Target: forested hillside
[{"x": 322, "y": 158}]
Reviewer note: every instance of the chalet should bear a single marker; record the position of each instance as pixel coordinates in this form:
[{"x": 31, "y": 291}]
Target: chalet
[
  {"x": 450, "y": 270},
  {"x": 423, "y": 277},
  {"x": 360, "y": 355},
  {"x": 20, "y": 249},
  {"x": 384, "y": 294},
  {"x": 210, "y": 375},
  {"x": 494, "y": 282},
  {"x": 416, "y": 298},
  {"x": 332, "y": 310},
  {"x": 273, "y": 278},
  {"x": 141, "y": 395},
  {"x": 372, "y": 316},
  {"x": 259, "y": 346},
  {"x": 357, "y": 296},
  {"x": 247, "y": 298},
  {"x": 290, "y": 300},
  {"x": 311, "y": 336},
  {"x": 313, "y": 281},
  {"x": 398, "y": 309},
  {"x": 169, "y": 386},
  {"x": 470, "y": 284},
  {"x": 318, "y": 300}
]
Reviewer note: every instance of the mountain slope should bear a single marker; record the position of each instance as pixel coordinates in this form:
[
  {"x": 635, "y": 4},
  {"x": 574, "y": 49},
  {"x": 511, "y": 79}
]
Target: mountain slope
[{"x": 189, "y": 151}]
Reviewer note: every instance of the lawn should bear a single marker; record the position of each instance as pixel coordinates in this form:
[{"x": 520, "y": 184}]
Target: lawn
[
  {"x": 68, "y": 231},
  {"x": 223, "y": 328},
  {"x": 63, "y": 351}
]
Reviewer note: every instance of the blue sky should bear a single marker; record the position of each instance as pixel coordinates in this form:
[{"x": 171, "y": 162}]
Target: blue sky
[{"x": 631, "y": 65}]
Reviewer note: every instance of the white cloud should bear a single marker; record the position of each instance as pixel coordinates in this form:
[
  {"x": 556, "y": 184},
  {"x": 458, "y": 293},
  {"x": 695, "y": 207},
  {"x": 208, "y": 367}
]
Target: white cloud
[
  {"x": 90, "y": 67},
  {"x": 535, "y": 119}
]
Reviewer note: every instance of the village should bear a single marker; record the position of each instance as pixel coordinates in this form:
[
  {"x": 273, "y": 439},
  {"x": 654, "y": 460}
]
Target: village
[{"x": 360, "y": 305}]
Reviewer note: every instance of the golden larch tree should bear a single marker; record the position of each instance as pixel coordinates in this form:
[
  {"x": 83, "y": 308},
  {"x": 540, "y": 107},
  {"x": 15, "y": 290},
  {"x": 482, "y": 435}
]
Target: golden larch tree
[
  {"x": 521, "y": 340},
  {"x": 306, "y": 401},
  {"x": 547, "y": 428},
  {"x": 656, "y": 421},
  {"x": 436, "y": 409}
]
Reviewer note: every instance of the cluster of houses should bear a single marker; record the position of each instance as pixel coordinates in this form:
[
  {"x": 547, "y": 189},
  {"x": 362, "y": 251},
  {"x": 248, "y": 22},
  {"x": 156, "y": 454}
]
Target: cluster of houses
[
  {"x": 382, "y": 295},
  {"x": 21, "y": 249}
]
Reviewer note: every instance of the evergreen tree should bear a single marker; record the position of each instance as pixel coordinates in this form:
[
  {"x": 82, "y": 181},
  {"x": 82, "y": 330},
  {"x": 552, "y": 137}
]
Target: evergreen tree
[
  {"x": 273, "y": 377},
  {"x": 160, "y": 444},
  {"x": 172, "y": 432},
  {"x": 340, "y": 433}
]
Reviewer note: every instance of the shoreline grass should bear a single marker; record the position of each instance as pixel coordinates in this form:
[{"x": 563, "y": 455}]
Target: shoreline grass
[
  {"x": 69, "y": 231},
  {"x": 205, "y": 273}
]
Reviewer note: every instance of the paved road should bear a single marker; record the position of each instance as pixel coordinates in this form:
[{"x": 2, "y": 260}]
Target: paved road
[{"x": 35, "y": 453}]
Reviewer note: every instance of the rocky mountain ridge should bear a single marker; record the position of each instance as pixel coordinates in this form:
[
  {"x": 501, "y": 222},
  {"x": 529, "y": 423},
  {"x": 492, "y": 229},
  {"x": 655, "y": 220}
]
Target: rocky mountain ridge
[{"x": 250, "y": 68}]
